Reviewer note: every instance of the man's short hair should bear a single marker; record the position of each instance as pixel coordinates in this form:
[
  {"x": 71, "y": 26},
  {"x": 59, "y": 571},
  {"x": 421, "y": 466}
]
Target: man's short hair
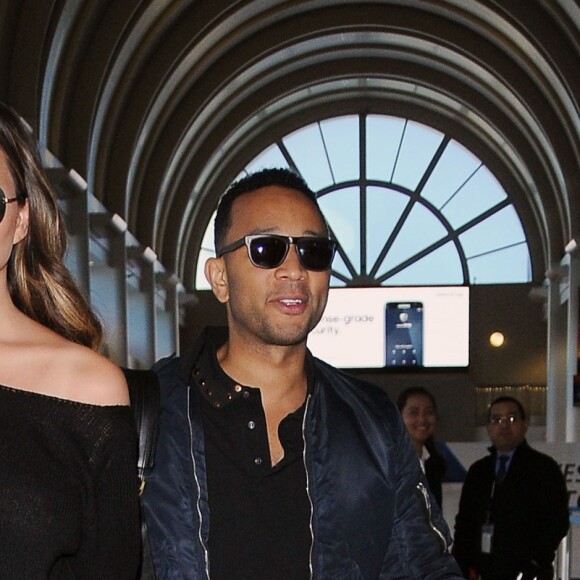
[
  {"x": 507, "y": 399},
  {"x": 252, "y": 182}
]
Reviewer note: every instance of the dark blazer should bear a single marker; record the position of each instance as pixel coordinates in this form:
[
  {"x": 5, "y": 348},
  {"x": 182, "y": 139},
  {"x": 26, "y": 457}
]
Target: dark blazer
[{"x": 529, "y": 511}]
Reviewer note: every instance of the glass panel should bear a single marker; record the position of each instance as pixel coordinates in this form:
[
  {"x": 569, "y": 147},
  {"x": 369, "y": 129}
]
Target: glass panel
[
  {"x": 341, "y": 209},
  {"x": 383, "y": 137},
  {"x": 384, "y": 207},
  {"x": 452, "y": 170},
  {"x": 507, "y": 266},
  {"x": 440, "y": 267},
  {"x": 497, "y": 231},
  {"x": 341, "y": 137},
  {"x": 480, "y": 193},
  {"x": 419, "y": 146},
  {"x": 306, "y": 149},
  {"x": 201, "y": 282},
  {"x": 339, "y": 266},
  {"x": 207, "y": 251},
  {"x": 271, "y": 157},
  {"x": 420, "y": 230},
  {"x": 336, "y": 283}
]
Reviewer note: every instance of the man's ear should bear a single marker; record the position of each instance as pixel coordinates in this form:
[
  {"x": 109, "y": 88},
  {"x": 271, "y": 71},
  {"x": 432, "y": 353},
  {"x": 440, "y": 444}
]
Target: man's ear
[
  {"x": 21, "y": 223},
  {"x": 217, "y": 276}
]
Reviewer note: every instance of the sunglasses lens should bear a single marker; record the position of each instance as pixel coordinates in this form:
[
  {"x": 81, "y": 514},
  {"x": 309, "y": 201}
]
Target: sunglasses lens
[
  {"x": 316, "y": 254},
  {"x": 268, "y": 252}
]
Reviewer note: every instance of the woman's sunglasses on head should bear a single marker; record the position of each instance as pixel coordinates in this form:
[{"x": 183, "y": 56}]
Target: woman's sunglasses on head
[
  {"x": 270, "y": 250},
  {"x": 4, "y": 201}
]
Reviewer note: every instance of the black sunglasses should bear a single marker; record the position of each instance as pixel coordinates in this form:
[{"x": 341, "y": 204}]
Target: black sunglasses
[
  {"x": 270, "y": 250},
  {"x": 4, "y": 201}
]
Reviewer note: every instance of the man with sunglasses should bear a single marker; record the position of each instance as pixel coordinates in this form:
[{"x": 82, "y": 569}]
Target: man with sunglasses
[
  {"x": 513, "y": 511},
  {"x": 270, "y": 464}
]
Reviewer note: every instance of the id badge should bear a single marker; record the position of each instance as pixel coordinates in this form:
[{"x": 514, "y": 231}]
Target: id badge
[{"x": 486, "y": 538}]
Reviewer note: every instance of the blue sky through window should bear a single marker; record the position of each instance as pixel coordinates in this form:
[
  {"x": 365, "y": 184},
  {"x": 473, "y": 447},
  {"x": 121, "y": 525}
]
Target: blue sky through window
[{"x": 415, "y": 202}]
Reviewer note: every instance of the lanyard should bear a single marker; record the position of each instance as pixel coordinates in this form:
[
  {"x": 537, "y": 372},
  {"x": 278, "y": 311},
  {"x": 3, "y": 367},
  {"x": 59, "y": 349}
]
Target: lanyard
[{"x": 490, "y": 503}]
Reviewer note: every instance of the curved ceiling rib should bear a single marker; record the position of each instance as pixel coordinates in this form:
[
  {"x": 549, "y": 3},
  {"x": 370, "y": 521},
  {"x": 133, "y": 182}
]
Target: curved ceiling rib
[{"x": 159, "y": 104}]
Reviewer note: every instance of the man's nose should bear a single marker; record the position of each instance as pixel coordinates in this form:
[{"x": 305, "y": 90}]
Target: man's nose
[{"x": 292, "y": 266}]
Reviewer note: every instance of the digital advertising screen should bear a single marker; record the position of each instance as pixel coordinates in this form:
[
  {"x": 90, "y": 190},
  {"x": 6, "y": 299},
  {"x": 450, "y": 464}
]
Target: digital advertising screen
[{"x": 396, "y": 327}]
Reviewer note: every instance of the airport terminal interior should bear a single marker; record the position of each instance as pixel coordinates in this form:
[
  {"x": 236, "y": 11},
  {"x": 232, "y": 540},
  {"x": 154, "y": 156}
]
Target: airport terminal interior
[{"x": 442, "y": 138}]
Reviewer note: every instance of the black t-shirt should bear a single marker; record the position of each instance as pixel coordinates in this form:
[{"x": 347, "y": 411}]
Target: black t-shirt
[{"x": 259, "y": 513}]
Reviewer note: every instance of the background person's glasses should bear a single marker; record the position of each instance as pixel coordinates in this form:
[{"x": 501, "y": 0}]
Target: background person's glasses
[
  {"x": 4, "y": 201},
  {"x": 270, "y": 250},
  {"x": 501, "y": 419}
]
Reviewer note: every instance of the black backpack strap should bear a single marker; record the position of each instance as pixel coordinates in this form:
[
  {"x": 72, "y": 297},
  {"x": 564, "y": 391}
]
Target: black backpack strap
[{"x": 145, "y": 401}]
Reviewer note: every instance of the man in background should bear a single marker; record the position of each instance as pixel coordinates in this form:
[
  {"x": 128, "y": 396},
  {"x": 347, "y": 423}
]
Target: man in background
[{"x": 513, "y": 510}]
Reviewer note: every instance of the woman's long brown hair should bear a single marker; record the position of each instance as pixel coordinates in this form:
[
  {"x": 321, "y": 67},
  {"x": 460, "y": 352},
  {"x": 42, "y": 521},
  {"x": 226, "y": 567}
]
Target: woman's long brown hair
[{"x": 39, "y": 282}]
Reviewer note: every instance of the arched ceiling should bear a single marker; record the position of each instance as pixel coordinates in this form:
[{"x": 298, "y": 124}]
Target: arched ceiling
[{"x": 160, "y": 104}]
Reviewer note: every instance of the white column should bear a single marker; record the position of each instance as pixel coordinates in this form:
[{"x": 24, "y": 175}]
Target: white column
[
  {"x": 557, "y": 407},
  {"x": 573, "y": 416}
]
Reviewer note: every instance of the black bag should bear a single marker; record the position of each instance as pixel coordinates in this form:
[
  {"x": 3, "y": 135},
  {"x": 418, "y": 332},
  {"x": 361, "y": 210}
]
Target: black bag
[{"x": 144, "y": 394}]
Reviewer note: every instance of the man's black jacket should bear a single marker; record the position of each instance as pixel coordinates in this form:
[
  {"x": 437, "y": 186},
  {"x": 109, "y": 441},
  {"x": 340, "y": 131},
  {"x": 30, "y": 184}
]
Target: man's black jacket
[{"x": 529, "y": 512}]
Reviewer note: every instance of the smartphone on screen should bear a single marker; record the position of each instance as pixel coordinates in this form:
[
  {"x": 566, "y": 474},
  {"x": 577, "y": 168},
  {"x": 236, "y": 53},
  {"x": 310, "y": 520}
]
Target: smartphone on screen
[{"x": 404, "y": 334}]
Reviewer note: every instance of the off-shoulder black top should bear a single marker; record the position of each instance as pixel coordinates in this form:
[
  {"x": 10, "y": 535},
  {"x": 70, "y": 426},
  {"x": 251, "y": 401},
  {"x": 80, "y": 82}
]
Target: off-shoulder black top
[{"x": 68, "y": 489}]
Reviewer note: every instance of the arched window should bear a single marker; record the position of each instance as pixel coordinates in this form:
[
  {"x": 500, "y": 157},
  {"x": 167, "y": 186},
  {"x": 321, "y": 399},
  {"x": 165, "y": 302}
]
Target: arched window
[{"x": 407, "y": 204}]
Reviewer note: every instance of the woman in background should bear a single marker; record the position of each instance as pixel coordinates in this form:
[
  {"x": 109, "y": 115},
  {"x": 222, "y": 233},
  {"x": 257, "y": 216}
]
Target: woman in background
[
  {"x": 68, "y": 487},
  {"x": 419, "y": 412}
]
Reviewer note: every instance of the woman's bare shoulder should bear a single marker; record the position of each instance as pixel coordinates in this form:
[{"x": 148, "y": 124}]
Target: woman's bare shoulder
[
  {"x": 37, "y": 359},
  {"x": 89, "y": 377}
]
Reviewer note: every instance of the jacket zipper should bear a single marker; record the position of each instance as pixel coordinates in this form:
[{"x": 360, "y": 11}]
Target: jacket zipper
[
  {"x": 310, "y": 563},
  {"x": 199, "y": 512},
  {"x": 427, "y": 500}
]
